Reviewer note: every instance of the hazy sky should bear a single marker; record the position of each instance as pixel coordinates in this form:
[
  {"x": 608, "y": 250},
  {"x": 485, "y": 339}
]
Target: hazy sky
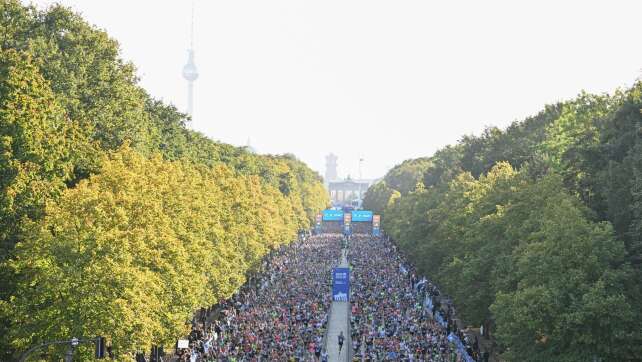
[{"x": 382, "y": 80}]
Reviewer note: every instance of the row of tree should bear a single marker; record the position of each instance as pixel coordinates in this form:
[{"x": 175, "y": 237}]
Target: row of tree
[
  {"x": 535, "y": 230},
  {"x": 115, "y": 219}
]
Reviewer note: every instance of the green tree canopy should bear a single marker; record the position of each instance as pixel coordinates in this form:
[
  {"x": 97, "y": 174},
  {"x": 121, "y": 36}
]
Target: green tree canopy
[{"x": 534, "y": 230}]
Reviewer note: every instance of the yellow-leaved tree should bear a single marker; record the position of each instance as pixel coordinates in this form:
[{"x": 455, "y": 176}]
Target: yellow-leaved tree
[{"x": 133, "y": 251}]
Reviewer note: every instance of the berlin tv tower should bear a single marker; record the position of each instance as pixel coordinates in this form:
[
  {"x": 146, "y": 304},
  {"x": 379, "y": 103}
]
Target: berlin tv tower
[{"x": 190, "y": 73}]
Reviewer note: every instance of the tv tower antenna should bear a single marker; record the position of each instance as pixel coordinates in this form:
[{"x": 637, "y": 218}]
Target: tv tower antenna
[{"x": 190, "y": 73}]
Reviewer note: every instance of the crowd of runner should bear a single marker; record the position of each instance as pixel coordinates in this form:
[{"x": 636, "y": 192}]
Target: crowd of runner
[
  {"x": 281, "y": 315},
  {"x": 389, "y": 321}
]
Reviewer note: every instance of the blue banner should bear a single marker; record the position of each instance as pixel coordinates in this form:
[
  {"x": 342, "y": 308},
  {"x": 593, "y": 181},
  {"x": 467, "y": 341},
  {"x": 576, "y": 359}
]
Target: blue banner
[
  {"x": 332, "y": 215},
  {"x": 347, "y": 230},
  {"x": 361, "y": 215},
  {"x": 376, "y": 225},
  {"x": 440, "y": 319},
  {"x": 341, "y": 284}
]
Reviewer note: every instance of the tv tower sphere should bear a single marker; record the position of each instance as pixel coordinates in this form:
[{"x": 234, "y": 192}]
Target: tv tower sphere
[{"x": 190, "y": 73}]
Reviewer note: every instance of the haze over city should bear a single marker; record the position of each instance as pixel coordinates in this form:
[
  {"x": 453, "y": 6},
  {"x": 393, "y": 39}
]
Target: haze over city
[{"x": 375, "y": 80}]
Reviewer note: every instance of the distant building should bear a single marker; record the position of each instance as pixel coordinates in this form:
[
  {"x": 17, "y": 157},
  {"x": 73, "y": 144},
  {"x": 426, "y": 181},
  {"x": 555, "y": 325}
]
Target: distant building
[
  {"x": 331, "y": 168},
  {"x": 348, "y": 192}
]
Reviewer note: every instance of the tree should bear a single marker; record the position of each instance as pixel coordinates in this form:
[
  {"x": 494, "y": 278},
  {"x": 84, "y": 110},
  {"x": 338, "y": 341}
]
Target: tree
[
  {"x": 405, "y": 176},
  {"x": 569, "y": 303},
  {"x": 379, "y": 196},
  {"x": 132, "y": 251},
  {"x": 491, "y": 202}
]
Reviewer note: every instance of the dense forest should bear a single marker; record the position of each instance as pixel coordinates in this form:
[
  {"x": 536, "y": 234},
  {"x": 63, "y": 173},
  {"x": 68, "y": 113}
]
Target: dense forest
[
  {"x": 115, "y": 218},
  {"x": 535, "y": 231}
]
